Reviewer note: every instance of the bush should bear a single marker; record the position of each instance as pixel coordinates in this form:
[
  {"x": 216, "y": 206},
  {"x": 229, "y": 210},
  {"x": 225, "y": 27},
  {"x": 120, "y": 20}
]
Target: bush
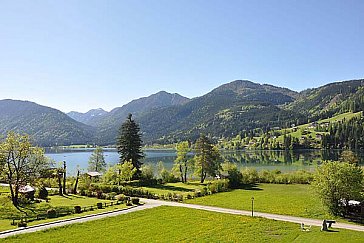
[
  {"x": 42, "y": 193},
  {"x": 22, "y": 224},
  {"x": 110, "y": 196},
  {"x": 135, "y": 200},
  {"x": 51, "y": 213},
  {"x": 250, "y": 176},
  {"x": 78, "y": 209},
  {"x": 105, "y": 188},
  {"x": 218, "y": 186},
  {"x": 197, "y": 193},
  {"x": 100, "y": 195},
  {"x": 168, "y": 177},
  {"x": 120, "y": 198},
  {"x": 234, "y": 175}
]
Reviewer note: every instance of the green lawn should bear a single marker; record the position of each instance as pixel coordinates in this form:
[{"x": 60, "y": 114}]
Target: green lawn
[
  {"x": 296, "y": 200},
  {"x": 179, "y": 188},
  {"x": 8, "y": 211},
  {"x": 167, "y": 224}
]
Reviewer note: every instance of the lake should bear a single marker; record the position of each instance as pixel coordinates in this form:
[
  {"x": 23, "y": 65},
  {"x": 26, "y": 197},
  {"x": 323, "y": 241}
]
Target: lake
[{"x": 259, "y": 159}]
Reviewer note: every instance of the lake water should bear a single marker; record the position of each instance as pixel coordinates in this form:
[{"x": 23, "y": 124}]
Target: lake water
[{"x": 259, "y": 159}]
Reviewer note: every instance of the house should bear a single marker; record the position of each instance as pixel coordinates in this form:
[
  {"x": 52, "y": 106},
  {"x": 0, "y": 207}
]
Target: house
[
  {"x": 93, "y": 174},
  {"x": 27, "y": 191}
]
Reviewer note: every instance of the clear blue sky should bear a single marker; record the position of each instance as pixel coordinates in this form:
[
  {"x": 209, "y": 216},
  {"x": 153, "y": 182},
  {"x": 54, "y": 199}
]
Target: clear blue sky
[{"x": 78, "y": 55}]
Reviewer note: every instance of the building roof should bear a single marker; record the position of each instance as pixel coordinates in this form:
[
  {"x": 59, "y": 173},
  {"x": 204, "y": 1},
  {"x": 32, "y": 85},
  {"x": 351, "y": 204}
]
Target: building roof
[
  {"x": 93, "y": 173},
  {"x": 26, "y": 189}
]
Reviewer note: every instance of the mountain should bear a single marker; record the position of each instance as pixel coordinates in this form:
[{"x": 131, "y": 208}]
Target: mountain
[
  {"x": 109, "y": 124},
  {"x": 328, "y": 100},
  {"x": 225, "y": 111},
  {"x": 88, "y": 118},
  {"x": 46, "y": 126},
  {"x": 238, "y": 107}
]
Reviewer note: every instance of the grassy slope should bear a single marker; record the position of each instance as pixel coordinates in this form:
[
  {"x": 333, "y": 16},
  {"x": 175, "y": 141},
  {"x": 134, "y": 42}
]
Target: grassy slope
[
  {"x": 298, "y": 134},
  {"x": 166, "y": 224},
  {"x": 296, "y": 200}
]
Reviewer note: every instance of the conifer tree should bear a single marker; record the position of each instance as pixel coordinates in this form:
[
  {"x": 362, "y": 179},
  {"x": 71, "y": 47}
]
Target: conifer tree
[{"x": 129, "y": 143}]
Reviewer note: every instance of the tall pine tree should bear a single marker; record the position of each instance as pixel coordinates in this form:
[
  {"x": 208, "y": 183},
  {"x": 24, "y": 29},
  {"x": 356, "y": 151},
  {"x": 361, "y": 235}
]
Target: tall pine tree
[{"x": 129, "y": 143}]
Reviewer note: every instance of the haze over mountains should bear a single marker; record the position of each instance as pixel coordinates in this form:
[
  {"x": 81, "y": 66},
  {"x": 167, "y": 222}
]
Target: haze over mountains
[{"x": 165, "y": 118}]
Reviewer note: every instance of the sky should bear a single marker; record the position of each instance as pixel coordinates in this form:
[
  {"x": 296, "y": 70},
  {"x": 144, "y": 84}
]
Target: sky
[{"x": 79, "y": 55}]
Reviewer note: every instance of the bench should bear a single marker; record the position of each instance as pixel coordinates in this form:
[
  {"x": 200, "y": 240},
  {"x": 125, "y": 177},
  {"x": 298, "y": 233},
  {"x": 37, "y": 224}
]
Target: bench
[
  {"x": 327, "y": 224},
  {"x": 330, "y": 222}
]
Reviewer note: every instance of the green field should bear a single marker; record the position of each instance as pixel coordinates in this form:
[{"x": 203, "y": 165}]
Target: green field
[
  {"x": 178, "y": 187},
  {"x": 167, "y": 224},
  {"x": 295, "y": 200},
  {"x": 8, "y": 211}
]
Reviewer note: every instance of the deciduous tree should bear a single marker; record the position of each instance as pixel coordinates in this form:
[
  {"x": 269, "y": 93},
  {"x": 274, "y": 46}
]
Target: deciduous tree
[
  {"x": 20, "y": 163},
  {"x": 97, "y": 160},
  {"x": 337, "y": 183},
  {"x": 182, "y": 163},
  {"x": 207, "y": 158}
]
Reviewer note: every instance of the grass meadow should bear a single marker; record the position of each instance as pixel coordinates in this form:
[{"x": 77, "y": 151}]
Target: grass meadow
[{"x": 171, "y": 224}]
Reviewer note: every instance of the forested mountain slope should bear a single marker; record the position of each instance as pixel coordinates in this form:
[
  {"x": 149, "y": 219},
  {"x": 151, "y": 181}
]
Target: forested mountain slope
[{"x": 46, "y": 126}]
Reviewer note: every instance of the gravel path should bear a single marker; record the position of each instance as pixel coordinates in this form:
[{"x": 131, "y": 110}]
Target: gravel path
[{"x": 149, "y": 203}]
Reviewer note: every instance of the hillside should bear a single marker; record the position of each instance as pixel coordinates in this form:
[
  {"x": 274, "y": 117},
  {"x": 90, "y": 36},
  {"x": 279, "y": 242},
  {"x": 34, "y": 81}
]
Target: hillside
[
  {"x": 88, "y": 118},
  {"x": 330, "y": 99},
  {"x": 108, "y": 125},
  {"x": 225, "y": 111},
  {"x": 311, "y": 135},
  {"x": 46, "y": 126},
  {"x": 240, "y": 107}
]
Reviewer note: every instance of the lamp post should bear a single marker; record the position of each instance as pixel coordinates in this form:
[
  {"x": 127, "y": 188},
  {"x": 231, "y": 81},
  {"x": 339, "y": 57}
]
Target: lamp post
[{"x": 252, "y": 206}]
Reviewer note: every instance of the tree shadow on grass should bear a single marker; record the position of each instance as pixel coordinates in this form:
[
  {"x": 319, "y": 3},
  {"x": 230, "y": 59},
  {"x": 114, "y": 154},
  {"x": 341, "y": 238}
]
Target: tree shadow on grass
[
  {"x": 172, "y": 188},
  {"x": 332, "y": 231},
  {"x": 251, "y": 187},
  {"x": 71, "y": 196}
]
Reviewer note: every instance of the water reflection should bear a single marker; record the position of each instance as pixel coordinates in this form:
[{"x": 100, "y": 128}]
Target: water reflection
[{"x": 260, "y": 159}]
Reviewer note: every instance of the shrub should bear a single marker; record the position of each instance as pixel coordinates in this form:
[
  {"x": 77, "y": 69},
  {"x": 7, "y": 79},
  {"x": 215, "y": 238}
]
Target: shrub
[
  {"x": 212, "y": 188},
  {"x": 110, "y": 196},
  {"x": 204, "y": 191},
  {"x": 178, "y": 198},
  {"x": 78, "y": 209},
  {"x": 120, "y": 198},
  {"x": 42, "y": 193},
  {"x": 51, "y": 213},
  {"x": 218, "y": 186},
  {"x": 168, "y": 177},
  {"x": 83, "y": 192},
  {"x": 100, "y": 195},
  {"x": 234, "y": 175},
  {"x": 105, "y": 188},
  {"x": 22, "y": 224},
  {"x": 197, "y": 193},
  {"x": 135, "y": 200},
  {"x": 189, "y": 196},
  {"x": 249, "y": 176}
]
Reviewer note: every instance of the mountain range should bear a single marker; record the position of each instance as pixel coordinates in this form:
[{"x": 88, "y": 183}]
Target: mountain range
[{"x": 226, "y": 111}]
